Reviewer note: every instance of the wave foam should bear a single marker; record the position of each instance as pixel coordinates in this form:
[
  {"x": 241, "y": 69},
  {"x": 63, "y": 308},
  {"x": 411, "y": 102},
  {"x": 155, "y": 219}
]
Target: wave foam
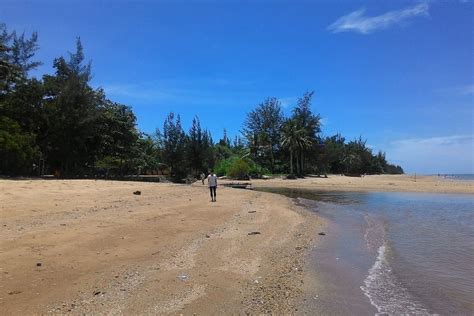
[{"x": 386, "y": 293}]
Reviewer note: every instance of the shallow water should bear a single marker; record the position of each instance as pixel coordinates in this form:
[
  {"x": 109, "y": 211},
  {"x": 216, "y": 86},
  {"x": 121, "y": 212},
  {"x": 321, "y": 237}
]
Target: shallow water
[{"x": 401, "y": 253}]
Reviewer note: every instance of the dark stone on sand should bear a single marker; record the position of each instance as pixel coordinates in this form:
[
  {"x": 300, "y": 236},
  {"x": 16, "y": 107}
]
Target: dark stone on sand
[
  {"x": 137, "y": 192},
  {"x": 39, "y": 264},
  {"x": 252, "y": 211},
  {"x": 322, "y": 233},
  {"x": 207, "y": 236},
  {"x": 253, "y": 233},
  {"x": 14, "y": 292},
  {"x": 97, "y": 292}
]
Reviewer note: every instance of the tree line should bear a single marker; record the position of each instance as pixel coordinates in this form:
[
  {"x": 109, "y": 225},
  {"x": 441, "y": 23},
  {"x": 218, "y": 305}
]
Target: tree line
[{"x": 59, "y": 124}]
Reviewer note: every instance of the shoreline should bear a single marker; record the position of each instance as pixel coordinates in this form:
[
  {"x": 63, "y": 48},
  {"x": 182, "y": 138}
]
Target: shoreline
[
  {"x": 372, "y": 183},
  {"x": 88, "y": 246}
]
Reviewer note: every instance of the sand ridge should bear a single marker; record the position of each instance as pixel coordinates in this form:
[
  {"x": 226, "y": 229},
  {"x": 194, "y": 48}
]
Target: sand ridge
[{"x": 373, "y": 183}]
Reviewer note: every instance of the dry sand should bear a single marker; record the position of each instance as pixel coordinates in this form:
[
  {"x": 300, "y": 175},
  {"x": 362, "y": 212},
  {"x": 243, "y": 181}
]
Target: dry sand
[
  {"x": 85, "y": 246},
  {"x": 390, "y": 183}
]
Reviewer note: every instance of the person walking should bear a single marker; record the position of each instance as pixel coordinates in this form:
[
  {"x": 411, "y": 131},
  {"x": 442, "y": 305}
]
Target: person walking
[
  {"x": 212, "y": 182},
  {"x": 203, "y": 177}
]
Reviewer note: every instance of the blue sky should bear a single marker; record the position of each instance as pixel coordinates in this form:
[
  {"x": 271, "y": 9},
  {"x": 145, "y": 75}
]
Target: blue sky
[{"x": 398, "y": 73}]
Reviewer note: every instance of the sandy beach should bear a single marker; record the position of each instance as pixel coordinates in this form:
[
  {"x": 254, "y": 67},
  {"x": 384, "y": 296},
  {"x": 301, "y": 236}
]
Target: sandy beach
[{"x": 85, "y": 246}]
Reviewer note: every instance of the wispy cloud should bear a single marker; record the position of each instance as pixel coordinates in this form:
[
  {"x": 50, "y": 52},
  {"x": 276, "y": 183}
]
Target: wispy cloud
[
  {"x": 465, "y": 90},
  {"x": 210, "y": 92},
  {"x": 357, "y": 21},
  {"x": 459, "y": 90},
  {"x": 446, "y": 154},
  {"x": 324, "y": 121},
  {"x": 137, "y": 92}
]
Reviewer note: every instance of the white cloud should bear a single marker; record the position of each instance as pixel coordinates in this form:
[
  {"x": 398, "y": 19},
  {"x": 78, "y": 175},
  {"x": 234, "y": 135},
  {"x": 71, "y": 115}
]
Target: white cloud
[
  {"x": 357, "y": 22},
  {"x": 448, "y": 154}
]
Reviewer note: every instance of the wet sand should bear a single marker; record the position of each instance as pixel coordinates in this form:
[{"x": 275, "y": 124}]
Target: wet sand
[{"x": 85, "y": 246}]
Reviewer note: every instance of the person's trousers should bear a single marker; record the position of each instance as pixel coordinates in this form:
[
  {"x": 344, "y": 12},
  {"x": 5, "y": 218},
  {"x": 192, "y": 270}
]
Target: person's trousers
[{"x": 213, "y": 192}]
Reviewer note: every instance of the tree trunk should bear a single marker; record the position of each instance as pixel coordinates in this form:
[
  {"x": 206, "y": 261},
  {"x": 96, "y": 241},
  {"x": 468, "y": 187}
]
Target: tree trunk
[
  {"x": 302, "y": 163},
  {"x": 297, "y": 163},
  {"x": 272, "y": 159},
  {"x": 291, "y": 161}
]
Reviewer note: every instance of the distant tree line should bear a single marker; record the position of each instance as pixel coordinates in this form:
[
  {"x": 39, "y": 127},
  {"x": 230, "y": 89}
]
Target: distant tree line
[{"x": 61, "y": 125}]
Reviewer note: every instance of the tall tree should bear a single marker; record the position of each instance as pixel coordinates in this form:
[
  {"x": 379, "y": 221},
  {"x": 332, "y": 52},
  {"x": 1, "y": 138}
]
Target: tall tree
[
  {"x": 174, "y": 142},
  {"x": 310, "y": 124},
  {"x": 74, "y": 138},
  {"x": 196, "y": 148},
  {"x": 119, "y": 134},
  {"x": 262, "y": 129},
  {"x": 294, "y": 138},
  {"x": 20, "y": 103}
]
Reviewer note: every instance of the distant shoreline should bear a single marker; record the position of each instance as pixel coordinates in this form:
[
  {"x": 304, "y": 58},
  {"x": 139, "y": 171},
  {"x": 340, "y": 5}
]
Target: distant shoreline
[{"x": 372, "y": 183}]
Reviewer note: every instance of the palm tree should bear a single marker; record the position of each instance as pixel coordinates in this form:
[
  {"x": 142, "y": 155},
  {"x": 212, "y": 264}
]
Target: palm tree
[{"x": 294, "y": 138}]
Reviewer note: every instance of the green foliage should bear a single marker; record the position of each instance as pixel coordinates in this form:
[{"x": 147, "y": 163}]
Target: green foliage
[
  {"x": 255, "y": 170},
  {"x": 239, "y": 169},
  {"x": 294, "y": 138},
  {"x": 119, "y": 137},
  {"x": 223, "y": 166},
  {"x": 17, "y": 149},
  {"x": 199, "y": 153},
  {"x": 174, "y": 142},
  {"x": 262, "y": 129}
]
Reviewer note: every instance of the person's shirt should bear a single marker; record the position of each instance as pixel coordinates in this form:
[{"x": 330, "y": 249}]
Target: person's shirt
[{"x": 212, "y": 180}]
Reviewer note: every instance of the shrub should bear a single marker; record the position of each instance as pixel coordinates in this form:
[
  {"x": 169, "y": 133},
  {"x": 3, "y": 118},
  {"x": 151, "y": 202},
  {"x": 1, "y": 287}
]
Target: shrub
[
  {"x": 239, "y": 170},
  {"x": 223, "y": 166},
  {"x": 256, "y": 171}
]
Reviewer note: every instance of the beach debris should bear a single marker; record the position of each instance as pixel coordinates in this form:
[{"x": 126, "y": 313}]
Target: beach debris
[
  {"x": 97, "y": 293},
  {"x": 137, "y": 192},
  {"x": 254, "y": 233},
  {"x": 182, "y": 277},
  {"x": 39, "y": 264},
  {"x": 252, "y": 211},
  {"x": 207, "y": 236},
  {"x": 322, "y": 234},
  {"x": 14, "y": 292},
  {"x": 257, "y": 280}
]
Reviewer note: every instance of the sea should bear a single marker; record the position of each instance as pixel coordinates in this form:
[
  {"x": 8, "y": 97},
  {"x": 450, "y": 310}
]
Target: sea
[
  {"x": 386, "y": 253},
  {"x": 465, "y": 177}
]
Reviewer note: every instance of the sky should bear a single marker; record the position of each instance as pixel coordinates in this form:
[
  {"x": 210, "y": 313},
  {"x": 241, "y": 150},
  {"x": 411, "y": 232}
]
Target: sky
[{"x": 398, "y": 73}]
